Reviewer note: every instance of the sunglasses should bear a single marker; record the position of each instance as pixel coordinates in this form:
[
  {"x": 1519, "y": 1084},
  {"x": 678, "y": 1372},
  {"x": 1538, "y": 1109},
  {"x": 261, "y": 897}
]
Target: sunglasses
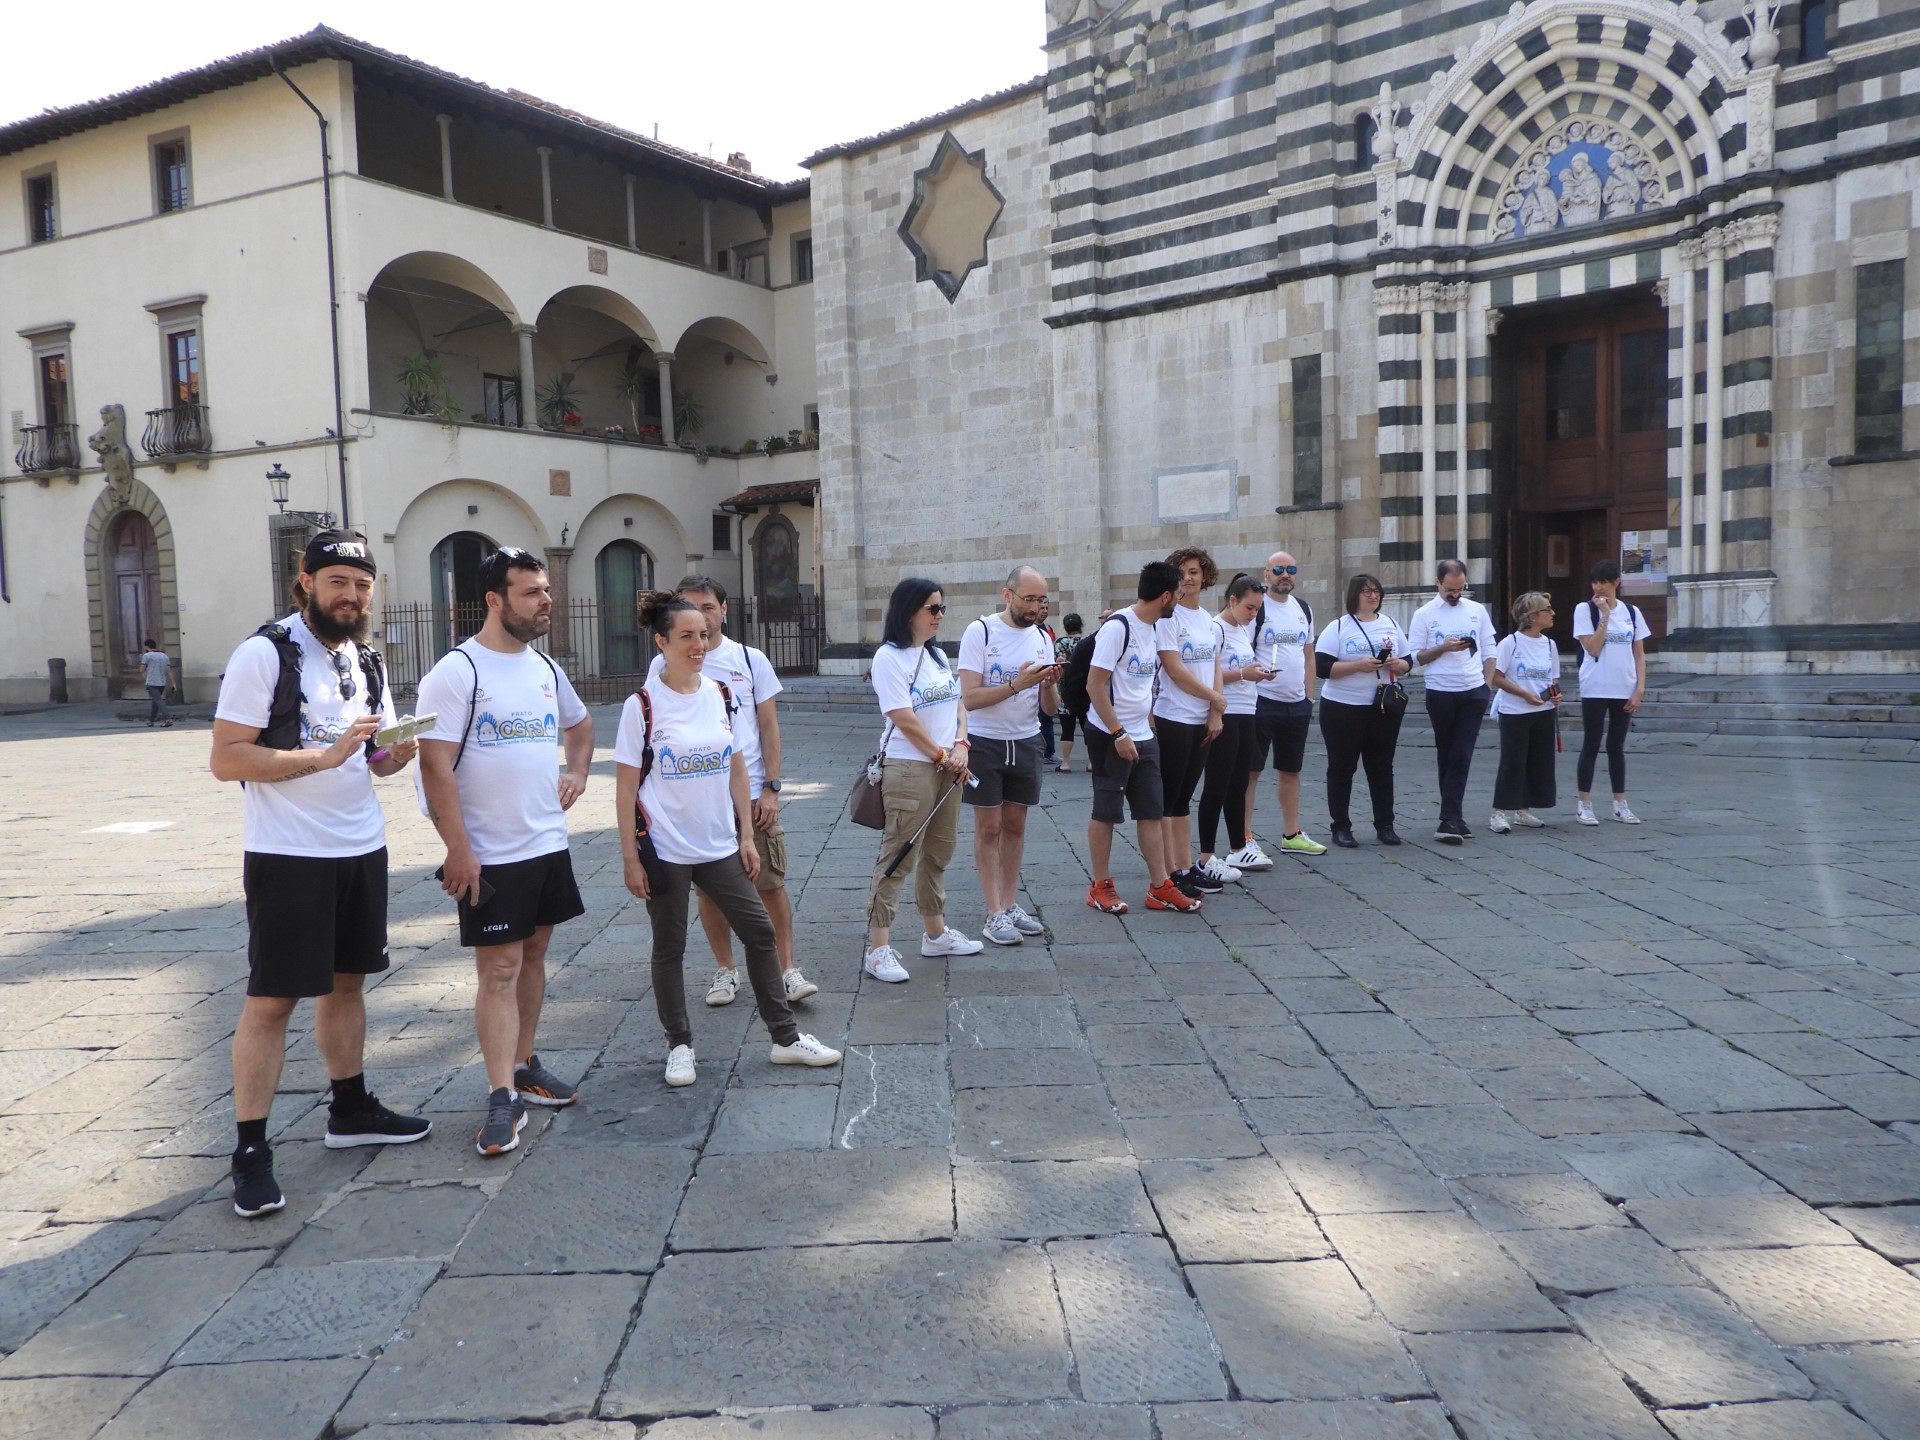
[
  {"x": 343, "y": 672},
  {"x": 1284, "y": 570},
  {"x": 493, "y": 569},
  {"x": 936, "y": 609}
]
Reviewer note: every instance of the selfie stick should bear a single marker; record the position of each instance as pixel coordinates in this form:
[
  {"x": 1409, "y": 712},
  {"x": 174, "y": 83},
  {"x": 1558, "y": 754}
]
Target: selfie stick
[{"x": 906, "y": 849}]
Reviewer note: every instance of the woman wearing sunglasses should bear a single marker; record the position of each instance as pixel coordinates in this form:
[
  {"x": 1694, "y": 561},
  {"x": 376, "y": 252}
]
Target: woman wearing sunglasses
[{"x": 923, "y": 760}]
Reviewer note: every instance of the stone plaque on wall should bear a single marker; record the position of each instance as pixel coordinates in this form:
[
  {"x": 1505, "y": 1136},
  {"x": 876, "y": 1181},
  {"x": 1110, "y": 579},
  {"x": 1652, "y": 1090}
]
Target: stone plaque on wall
[
  {"x": 559, "y": 482},
  {"x": 1203, "y": 492},
  {"x": 596, "y": 260}
]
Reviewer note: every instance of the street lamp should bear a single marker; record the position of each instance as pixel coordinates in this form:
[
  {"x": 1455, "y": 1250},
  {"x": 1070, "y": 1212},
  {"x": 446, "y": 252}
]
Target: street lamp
[{"x": 277, "y": 478}]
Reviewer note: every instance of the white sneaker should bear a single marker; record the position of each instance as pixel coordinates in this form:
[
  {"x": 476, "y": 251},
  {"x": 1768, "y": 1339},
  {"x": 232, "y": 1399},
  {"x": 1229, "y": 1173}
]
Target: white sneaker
[
  {"x": 680, "y": 1066},
  {"x": 726, "y": 984},
  {"x": 884, "y": 964},
  {"x": 1528, "y": 819},
  {"x": 1218, "y": 870},
  {"x": 1584, "y": 813},
  {"x": 1250, "y": 857},
  {"x": 805, "y": 1050},
  {"x": 999, "y": 928},
  {"x": 1024, "y": 922},
  {"x": 1499, "y": 824},
  {"x": 948, "y": 942},
  {"x": 1623, "y": 814},
  {"x": 798, "y": 986}
]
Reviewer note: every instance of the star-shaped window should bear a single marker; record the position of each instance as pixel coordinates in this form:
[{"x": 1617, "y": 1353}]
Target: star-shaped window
[{"x": 953, "y": 213}]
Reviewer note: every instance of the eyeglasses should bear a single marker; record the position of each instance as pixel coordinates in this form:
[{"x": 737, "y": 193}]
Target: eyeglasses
[
  {"x": 493, "y": 569},
  {"x": 344, "y": 673},
  {"x": 936, "y": 609},
  {"x": 1283, "y": 569}
]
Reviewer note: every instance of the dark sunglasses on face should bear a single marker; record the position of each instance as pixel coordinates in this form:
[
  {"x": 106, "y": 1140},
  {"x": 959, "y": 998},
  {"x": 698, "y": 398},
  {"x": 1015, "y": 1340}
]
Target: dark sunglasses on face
[
  {"x": 1284, "y": 569},
  {"x": 343, "y": 672},
  {"x": 936, "y": 609}
]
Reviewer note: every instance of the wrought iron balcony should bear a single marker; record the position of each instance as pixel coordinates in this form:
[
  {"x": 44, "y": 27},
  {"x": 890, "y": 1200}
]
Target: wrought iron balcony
[
  {"x": 177, "y": 430},
  {"x": 46, "y": 448}
]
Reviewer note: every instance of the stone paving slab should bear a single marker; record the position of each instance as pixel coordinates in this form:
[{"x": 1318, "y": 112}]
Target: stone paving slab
[
  {"x": 1232, "y": 1210},
  {"x": 1438, "y": 1272},
  {"x": 1047, "y": 1421},
  {"x": 576, "y": 1210},
  {"x": 133, "y": 1321},
  {"x": 823, "y": 1197},
  {"x": 1684, "y": 1345},
  {"x": 1523, "y": 1387},
  {"x": 1136, "y": 1333},
  {"x": 1309, "y": 1420},
  {"x": 314, "y": 1312},
  {"x": 1778, "y": 1420},
  {"x": 1045, "y": 1199},
  {"x": 63, "y": 1408},
  {"x": 1818, "y": 1294},
  {"x": 1302, "y": 1331},
  {"x": 47, "y": 1270},
  {"x": 1879, "y": 1382},
  {"x": 847, "y": 1423}
]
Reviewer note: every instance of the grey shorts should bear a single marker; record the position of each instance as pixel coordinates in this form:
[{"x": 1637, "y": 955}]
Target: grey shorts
[
  {"x": 1137, "y": 783},
  {"x": 1008, "y": 770}
]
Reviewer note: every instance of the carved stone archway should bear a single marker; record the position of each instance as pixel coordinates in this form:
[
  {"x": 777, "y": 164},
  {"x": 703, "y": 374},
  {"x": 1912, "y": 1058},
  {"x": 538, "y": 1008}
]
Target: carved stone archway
[{"x": 107, "y": 509}]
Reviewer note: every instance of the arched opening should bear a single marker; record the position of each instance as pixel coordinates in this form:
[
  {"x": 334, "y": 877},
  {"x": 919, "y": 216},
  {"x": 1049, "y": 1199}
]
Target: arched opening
[
  {"x": 719, "y": 374},
  {"x": 133, "y": 612},
  {"x": 621, "y": 571},
  {"x": 597, "y": 371},
  {"x": 459, "y": 605},
  {"x": 440, "y": 342}
]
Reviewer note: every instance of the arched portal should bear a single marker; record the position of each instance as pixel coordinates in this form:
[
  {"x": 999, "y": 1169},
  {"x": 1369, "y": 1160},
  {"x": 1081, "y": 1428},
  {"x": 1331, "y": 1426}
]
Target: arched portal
[
  {"x": 459, "y": 606},
  {"x": 133, "y": 557},
  {"x": 621, "y": 571},
  {"x": 131, "y": 592}
]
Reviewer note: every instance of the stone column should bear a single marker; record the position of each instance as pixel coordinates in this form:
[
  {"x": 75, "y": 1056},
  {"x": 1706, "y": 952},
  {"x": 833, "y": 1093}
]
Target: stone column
[
  {"x": 546, "y": 185},
  {"x": 446, "y": 156},
  {"x": 666, "y": 395},
  {"x": 1716, "y": 254},
  {"x": 1456, "y": 298},
  {"x": 560, "y": 638},
  {"x": 633, "y": 228},
  {"x": 1688, "y": 255},
  {"x": 529, "y": 396},
  {"x": 706, "y": 234},
  {"x": 1429, "y": 439}
]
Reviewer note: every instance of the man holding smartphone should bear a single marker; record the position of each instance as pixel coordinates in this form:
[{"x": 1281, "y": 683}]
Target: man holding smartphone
[{"x": 1008, "y": 679}]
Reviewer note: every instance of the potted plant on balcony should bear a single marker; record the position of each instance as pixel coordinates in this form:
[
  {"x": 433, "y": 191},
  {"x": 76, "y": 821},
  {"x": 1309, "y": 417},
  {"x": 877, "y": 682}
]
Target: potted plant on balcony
[
  {"x": 650, "y": 435},
  {"x": 635, "y": 385},
  {"x": 425, "y": 389},
  {"x": 559, "y": 403},
  {"x": 749, "y": 446},
  {"x": 687, "y": 414},
  {"x": 775, "y": 444}
]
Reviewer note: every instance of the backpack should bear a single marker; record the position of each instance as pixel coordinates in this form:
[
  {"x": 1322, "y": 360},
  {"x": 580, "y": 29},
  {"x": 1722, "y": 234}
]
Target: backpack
[
  {"x": 1305, "y": 609},
  {"x": 642, "y": 828},
  {"x": 473, "y": 705},
  {"x": 1073, "y": 684},
  {"x": 282, "y": 730},
  {"x": 1593, "y": 614}
]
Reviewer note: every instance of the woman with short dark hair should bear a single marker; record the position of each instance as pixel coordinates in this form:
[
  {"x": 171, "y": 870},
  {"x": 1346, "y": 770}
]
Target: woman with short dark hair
[
  {"x": 1229, "y": 759},
  {"x": 1356, "y": 657},
  {"x": 1070, "y": 626},
  {"x": 1612, "y": 636}
]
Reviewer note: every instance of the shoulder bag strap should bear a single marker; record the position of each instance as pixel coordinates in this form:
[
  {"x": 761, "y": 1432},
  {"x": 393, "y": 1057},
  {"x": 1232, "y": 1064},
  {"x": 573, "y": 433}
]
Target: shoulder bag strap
[
  {"x": 473, "y": 706},
  {"x": 887, "y": 733}
]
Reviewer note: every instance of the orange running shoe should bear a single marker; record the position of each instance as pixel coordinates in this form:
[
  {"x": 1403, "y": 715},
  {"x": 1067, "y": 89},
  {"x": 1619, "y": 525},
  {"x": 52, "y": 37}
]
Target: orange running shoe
[
  {"x": 1169, "y": 896},
  {"x": 1102, "y": 896}
]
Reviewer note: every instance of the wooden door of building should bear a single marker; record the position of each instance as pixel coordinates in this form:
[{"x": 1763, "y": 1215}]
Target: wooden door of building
[
  {"x": 1589, "y": 452},
  {"x": 135, "y": 614}
]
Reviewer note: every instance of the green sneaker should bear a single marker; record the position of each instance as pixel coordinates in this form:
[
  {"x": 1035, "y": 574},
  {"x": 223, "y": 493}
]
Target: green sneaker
[{"x": 1298, "y": 843}]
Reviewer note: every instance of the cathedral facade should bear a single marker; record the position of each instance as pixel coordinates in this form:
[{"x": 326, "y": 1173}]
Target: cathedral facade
[{"x": 1387, "y": 283}]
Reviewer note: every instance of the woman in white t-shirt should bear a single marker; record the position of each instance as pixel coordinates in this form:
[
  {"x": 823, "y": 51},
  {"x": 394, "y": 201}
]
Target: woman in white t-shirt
[
  {"x": 1229, "y": 759},
  {"x": 1188, "y": 712},
  {"x": 924, "y": 753},
  {"x": 1354, "y": 657},
  {"x": 1612, "y": 636},
  {"x": 684, "y": 819},
  {"x": 1526, "y": 683}
]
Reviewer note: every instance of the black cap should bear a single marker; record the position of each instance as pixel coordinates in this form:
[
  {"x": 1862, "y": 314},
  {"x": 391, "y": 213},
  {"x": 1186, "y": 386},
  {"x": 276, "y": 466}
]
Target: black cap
[{"x": 337, "y": 547}]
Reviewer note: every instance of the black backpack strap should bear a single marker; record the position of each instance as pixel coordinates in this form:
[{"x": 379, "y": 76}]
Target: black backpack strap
[
  {"x": 473, "y": 704},
  {"x": 282, "y": 730},
  {"x": 1306, "y": 610}
]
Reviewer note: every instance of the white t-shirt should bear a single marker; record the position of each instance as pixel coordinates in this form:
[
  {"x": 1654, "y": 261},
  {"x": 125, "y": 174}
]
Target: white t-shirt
[
  {"x": 934, "y": 697},
  {"x": 748, "y": 674},
  {"x": 156, "y": 665},
  {"x": 1530, "y": 661},
  {"x": 1437, "y": 621},
  {"x": 333, "y": 813},
  {"x": 686, "y": 794},
  {"x": 1614, "y": 675},
  {"x": 509, "y": 777},
  {"x": 995, "y": 651},
  {"x": 1126, "y": 646},
  {"x": 1284, "y": 632},
  {"x": 1235, "y": 644},
  {"x": 1350, "y": 639},
  {"x": 1188, "y": 633}
]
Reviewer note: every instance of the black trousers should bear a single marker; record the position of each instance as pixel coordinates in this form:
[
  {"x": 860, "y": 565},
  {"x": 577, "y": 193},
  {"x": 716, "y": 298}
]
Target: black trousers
[
  {"x": 725, "y": 883},
  {"x": 1456, "y": 716},
  {"x": 1525, "y": 780},
  {"x": 1611, "y": 714},
  {"x": 1358, "y": 735},
  {"x": 1183, "y": 759},
  {"x": 1229, "y": 763}
]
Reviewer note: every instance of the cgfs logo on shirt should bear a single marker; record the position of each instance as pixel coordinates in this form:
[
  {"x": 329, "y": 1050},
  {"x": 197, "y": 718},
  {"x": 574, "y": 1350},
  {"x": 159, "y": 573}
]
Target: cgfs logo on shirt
[
  {"x": 691, "y": 764},
  {"x": 1192, "y": 650},
  {"x": 515, "y": 729},
  {"x": 937, "y": 691}
]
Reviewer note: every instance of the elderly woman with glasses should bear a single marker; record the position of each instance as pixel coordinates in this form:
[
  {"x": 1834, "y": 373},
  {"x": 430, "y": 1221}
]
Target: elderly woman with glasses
[
  {"x": 923, "y": 758},
  {"x": 1526, "y": 677}
]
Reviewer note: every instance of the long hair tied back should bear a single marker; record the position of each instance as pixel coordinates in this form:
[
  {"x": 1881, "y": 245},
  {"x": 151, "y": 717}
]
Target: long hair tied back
[{"x": 658, "y": 607}]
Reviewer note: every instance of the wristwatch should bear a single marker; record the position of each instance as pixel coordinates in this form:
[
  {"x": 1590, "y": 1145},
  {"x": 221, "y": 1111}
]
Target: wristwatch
[{"x": 774, "y": 786}]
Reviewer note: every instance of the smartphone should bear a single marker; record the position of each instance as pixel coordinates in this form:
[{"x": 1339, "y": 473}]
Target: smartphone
[
  {"x": 486, "y": 890},
  {"x": 406, "y": 728}
]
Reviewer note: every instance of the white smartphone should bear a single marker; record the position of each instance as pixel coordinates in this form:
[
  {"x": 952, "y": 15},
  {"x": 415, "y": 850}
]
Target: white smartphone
[{"x": 407, "y": 728}]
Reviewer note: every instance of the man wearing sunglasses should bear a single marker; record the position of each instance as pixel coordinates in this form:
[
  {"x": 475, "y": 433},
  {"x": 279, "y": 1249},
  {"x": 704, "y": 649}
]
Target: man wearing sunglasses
[
  {"x": 315, "y": 862},
  {"x": 496, "y": 795},
  {"x": 1283, "y": 643}
]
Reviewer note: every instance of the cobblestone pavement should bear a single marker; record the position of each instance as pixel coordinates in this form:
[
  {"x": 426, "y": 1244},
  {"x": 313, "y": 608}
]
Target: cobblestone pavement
[{"x": 1575, "y": 1133}]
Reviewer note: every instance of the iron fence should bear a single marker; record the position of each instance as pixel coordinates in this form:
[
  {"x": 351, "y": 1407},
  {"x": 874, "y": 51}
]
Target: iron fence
[{"x": 791, "y": 634}]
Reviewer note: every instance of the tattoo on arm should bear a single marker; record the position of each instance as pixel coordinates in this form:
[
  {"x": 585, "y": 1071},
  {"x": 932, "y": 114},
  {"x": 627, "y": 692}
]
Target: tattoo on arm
[{"x": 296, "y": 774}]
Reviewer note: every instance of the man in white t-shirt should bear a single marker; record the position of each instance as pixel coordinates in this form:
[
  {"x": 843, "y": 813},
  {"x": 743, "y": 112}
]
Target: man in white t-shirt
[
  {"x": 1121, "y": 751},
  {"x": 1283, "y": 643},
  {"x": 1452, "y": 639},
  {"x": 157, "y": 666},
  {"x": 749, "y": 677},
  {"x": 1007, "y": 676},
  {"x": 298, "y": 708},
  {"x": 488, "y": 768}
]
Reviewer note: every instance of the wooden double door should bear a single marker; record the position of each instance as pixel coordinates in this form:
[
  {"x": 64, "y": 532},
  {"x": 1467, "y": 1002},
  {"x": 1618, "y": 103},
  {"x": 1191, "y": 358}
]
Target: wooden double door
[{"x": 1582, "y": 392}]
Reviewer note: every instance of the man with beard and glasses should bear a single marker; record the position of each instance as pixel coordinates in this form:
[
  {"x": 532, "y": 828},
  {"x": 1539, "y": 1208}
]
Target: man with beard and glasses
[
  {"x": 1452, "y": 639},
  {"x": 495, "y": 793},
  {"x": 298, "y": 735},
  {"x": 1007, "y": 676}
]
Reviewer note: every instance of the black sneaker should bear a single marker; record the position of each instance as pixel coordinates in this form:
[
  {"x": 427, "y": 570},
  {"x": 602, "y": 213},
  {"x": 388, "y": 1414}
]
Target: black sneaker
[
  {"x": 1386, "y": 835},
  {"x": 1460, "y": 829},
  {"x": 506, "y": 1118},
  {"x": 1448, "y": 832},
  {"x": 1197, "y": 882},
  {"x": 255, "y": 1191},
  {"x": 1178, "y": 879},
  {"x": 373, "y": 1124},
  {"x": 540, "y": 1086}
]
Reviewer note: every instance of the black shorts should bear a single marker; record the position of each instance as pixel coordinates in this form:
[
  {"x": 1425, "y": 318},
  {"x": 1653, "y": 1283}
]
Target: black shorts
[
  {"x": 1009, "y": 772},
  {"x": 1282, "y": 728},
  {"x": 1137, "y": 782},
  {"x": 527, "y": 894},
  {"x": 310, "y": 918}
]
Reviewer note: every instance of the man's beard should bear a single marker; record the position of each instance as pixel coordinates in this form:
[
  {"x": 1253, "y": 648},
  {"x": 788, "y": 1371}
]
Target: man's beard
[
  {"x": 528, "y": 630},
  {"x": 332, "y": 631},
  {"x": 1021, "y": 622}
]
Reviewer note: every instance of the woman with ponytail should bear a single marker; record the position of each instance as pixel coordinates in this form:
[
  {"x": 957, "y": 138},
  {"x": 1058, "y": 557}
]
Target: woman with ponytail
[{"x": 1230, "y": 758}]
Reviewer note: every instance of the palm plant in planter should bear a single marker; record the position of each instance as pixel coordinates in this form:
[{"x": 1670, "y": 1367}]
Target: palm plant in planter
[
  {"x": 425, "y": 389},
  {"x": 634, "y": 384},
  {"x": 687, "y": 415},
  {"x": 559, "y": 407}
]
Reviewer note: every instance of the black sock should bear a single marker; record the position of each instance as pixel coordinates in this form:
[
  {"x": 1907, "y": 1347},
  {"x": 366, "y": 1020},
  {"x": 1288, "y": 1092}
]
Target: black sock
[
  {"x": 252, "y": 1132},
  {"x": 350, "y": 1094}
]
